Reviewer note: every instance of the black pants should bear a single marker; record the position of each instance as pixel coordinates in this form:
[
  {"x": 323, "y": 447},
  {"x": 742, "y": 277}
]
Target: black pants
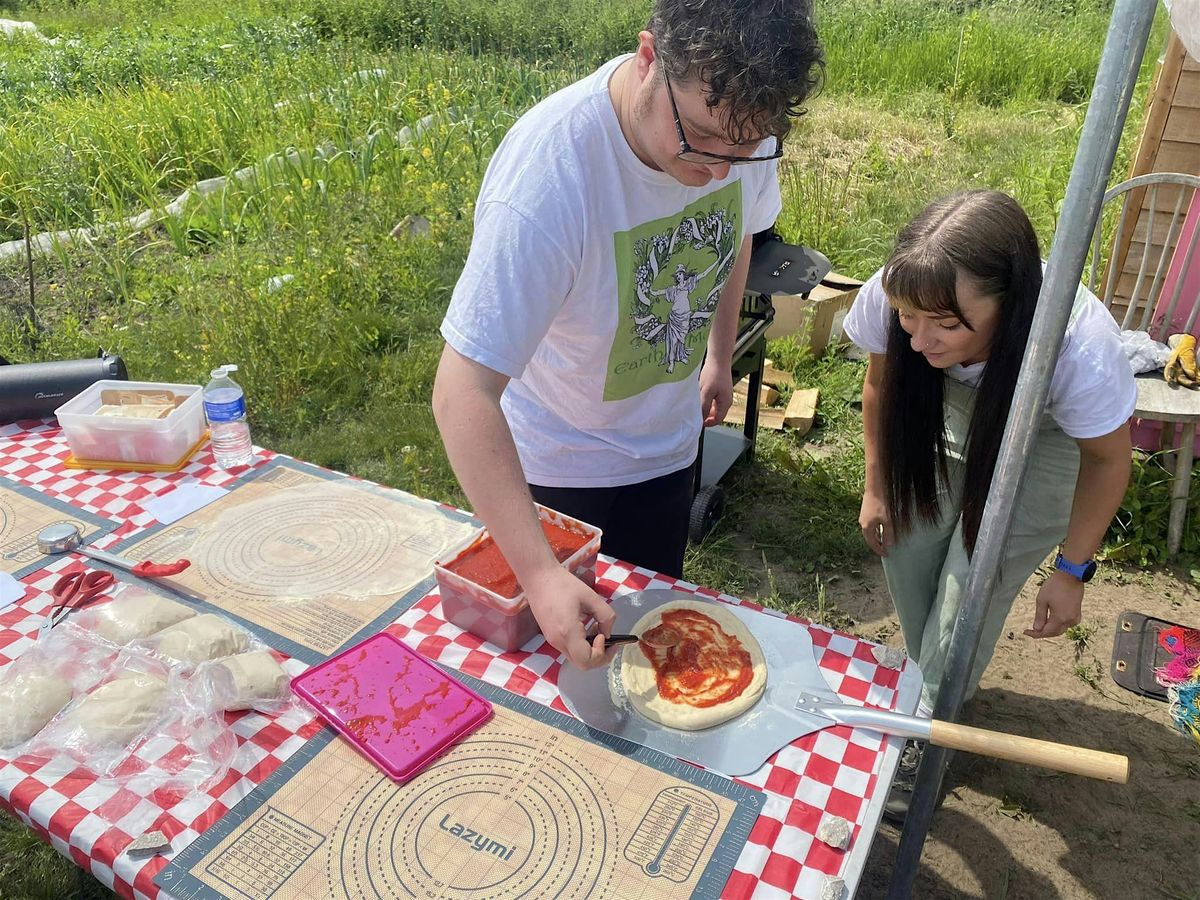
[{"x": 645, "y": 524}]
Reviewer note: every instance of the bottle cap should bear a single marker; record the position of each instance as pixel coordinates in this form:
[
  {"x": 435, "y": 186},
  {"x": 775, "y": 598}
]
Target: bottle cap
[{"x": 222, "y": 371}]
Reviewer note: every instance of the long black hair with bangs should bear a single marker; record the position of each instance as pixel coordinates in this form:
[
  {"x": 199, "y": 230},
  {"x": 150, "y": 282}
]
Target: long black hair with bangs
[{"x": 984, "y": 236}]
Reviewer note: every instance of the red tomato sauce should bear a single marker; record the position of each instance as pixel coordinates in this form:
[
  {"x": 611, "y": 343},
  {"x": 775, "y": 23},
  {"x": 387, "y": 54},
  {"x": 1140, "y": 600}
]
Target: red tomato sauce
[
  {"x": 706, "y": 667},
  {"x": 483, "y": 563}
]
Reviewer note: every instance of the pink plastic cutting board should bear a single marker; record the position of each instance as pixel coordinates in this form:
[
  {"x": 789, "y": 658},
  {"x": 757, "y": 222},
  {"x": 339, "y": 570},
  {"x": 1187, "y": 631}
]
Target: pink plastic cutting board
[{"x": 392, "y": 704}]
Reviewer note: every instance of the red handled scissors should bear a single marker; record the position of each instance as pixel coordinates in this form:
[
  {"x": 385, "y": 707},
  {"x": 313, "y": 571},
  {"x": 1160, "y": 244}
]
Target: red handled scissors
[{"x": 73, "y": 591}]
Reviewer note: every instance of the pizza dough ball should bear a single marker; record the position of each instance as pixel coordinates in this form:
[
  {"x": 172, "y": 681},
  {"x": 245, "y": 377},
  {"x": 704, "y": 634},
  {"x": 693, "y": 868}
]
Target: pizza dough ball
[
  {"x": 116, "y": 712},
  {"x": 28, "y": 700},
  {"x": 248, "y": 678},
  {"x": 716, "y": 644},
  {"x": 134, "y": 613},
  {"x": 200, "y": 639}
]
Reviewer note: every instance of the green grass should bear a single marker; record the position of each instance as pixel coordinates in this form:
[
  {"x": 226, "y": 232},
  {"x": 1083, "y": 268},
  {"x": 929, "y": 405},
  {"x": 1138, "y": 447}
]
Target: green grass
[
  {"x": 923, "y": 97},
  {"x": 1138, "y": 534},
  {"x": 991, "y": 51},
  {"x": 30, "y": 869},
  {"x": 790, "y": 524}
]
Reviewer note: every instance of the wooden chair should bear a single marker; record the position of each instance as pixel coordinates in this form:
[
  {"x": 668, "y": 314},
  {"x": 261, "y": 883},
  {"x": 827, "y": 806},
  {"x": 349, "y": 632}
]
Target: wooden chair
[{"x": 1158, "y": 203}]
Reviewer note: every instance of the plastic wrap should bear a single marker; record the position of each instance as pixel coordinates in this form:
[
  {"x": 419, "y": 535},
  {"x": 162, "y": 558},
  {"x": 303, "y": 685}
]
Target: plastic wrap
[
  {"x": 43, "y": 680},
  {"x": 133, "y": 613},
  {"x": 189, "y": 748},
  {"x": 112, "y": 715},
  {"x": 138, "y": 715},
  {"x": 196, "y": 640},
  {"x": 149, "y": 715},
  {"x": 28, "y": 700},
  {"x": 141, "y": 727},
  {"x": 98, "y": 726},
  {"x": 253, "y": 680}
]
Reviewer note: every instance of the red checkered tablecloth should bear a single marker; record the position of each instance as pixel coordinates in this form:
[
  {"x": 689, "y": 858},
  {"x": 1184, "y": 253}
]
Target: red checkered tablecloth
[{"x": 840, "y": 771}]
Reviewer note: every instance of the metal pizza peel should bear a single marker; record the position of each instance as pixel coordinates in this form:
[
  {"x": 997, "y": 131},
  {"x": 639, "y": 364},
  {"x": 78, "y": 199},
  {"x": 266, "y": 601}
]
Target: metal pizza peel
[{"x": 797, "y": 701}]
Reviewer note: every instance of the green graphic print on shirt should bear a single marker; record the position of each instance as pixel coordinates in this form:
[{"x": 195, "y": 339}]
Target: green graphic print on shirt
[{"x": 670, "y": 273}]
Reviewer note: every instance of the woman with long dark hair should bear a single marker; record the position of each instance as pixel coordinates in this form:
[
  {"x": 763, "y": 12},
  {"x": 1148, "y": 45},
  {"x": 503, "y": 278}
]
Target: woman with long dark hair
[{"x": 946, "y": 321}]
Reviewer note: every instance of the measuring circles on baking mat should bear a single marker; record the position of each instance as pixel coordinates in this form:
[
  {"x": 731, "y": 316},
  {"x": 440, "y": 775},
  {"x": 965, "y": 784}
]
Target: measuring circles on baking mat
[
  {"x": 300, "y": 548},
  {"x": 501, "y": 822},
  {"x": 8, "y": 519},
  {"x": 311, "y": 561}
]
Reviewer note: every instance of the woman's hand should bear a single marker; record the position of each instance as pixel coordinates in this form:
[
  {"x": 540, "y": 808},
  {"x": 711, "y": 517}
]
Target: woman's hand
[
  {"x": 1059, "y": 606},
  {"x": 875, "y": 524}
]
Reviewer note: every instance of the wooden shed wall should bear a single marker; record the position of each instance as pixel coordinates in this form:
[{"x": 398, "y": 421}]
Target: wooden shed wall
[{"x": 1170, "y": 142}]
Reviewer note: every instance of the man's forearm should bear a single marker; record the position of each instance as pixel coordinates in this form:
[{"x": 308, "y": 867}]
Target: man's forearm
[
  {"x": 480, "y": 447},
  {"x": 723, "y": 334}
]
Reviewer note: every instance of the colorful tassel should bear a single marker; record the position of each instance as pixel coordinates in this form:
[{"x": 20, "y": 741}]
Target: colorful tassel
[{"x": 1181, "y": 677}]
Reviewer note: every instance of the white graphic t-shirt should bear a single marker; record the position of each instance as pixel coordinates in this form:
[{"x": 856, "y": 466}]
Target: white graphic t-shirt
[
  {"x": 592, "y": 282},
  {"x": 1092, "y": 392}
]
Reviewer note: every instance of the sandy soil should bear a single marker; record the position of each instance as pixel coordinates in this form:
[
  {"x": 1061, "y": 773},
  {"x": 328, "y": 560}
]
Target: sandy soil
[{"x": 1011, "y": 831}]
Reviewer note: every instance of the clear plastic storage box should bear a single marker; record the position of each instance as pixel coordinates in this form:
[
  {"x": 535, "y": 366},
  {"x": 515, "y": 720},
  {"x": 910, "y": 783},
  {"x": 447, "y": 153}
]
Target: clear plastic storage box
[
  {"x": 114, "y": 438},
  {"x": 507, "y": 622}
]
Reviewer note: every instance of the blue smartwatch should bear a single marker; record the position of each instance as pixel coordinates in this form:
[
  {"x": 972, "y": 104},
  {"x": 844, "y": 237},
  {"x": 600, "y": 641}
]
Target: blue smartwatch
[{"x": 1083, "y": 571}]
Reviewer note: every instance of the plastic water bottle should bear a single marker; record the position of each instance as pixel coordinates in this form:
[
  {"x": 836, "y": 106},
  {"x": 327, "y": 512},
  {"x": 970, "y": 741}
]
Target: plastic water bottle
[{"x": 225, "y": 409}]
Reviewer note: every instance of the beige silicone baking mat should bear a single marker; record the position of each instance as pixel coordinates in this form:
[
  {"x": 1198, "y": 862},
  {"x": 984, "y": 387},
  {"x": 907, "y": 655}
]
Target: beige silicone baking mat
[
  {"x": 308, "y": 560},
  {"x": 23, "y": 513},
  {"x": 527, "y": 806}
]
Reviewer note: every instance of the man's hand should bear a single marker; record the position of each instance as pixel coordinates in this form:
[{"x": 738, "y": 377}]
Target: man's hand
[
  {"x": 716, "y": 392},
  {"x": 875, "y": 524},
  {"x": 561, "y": 603},
  {"x": 1059, "y": 606}
]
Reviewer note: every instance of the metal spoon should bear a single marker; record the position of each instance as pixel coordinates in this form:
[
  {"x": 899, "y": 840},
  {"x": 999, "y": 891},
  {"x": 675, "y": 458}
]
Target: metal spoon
[
  {"x": 662, "y": 638},
  {"x": 65, "y": 537}
]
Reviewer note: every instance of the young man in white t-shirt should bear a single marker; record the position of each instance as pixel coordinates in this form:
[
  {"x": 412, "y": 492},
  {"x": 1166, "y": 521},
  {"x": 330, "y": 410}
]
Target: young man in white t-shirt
[{"x": 591, "y": 332}]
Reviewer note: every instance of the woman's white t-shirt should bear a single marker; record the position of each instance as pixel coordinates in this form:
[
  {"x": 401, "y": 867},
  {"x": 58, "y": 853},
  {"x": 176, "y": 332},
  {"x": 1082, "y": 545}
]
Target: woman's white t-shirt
[{"x": 1092, "y": 391}]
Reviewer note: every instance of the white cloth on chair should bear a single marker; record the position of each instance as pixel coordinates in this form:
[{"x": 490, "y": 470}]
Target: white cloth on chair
[
  {"x": 1145, "y": 354},
  {"x": 1185, "y": 19}
]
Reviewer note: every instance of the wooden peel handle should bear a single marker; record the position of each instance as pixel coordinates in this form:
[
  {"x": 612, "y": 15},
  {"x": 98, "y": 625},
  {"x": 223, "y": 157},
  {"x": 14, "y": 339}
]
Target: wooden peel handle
[{"x": 1047, "y": 754}]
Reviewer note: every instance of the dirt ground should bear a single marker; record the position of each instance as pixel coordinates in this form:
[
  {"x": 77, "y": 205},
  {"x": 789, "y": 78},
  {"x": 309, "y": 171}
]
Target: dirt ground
[{"x": 1011, "y": 831}]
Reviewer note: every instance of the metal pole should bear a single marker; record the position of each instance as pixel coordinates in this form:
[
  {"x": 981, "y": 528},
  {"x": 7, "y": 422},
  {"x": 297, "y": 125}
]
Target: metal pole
[{"x": 1116, "y": 77}]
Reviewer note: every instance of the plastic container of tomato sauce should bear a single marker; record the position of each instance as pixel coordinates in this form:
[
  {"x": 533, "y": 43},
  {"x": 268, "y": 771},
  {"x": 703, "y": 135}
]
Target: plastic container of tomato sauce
[{"x": 480, "y": 593}]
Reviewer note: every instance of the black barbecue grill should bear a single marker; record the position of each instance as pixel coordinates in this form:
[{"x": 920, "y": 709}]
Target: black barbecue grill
[{"x": 775, "y": 268}]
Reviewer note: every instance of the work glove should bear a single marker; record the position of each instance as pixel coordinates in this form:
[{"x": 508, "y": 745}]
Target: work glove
[{"x": 1181, "y": 366}]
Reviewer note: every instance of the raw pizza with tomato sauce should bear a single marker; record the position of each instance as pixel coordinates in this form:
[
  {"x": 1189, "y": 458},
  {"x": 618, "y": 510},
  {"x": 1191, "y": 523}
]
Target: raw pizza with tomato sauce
[{"x": 696, "y": 666}]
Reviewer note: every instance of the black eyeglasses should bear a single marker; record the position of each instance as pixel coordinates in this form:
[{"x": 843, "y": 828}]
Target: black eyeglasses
[{"x": 688, "y": 153}]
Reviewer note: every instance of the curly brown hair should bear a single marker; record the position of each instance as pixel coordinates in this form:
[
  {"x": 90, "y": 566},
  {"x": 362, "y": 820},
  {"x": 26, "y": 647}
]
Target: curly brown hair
[{"x": 760, "y": 57}]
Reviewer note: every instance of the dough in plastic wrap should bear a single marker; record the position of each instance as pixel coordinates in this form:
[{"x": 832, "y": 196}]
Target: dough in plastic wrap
[
  {"x": 28, "y": 700},
  {"x": 243, "y": 680},
  {"x": 134, "y": 613},
  {"x": 200, "y": 639},
  {"x": 116, "y": 712}
]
